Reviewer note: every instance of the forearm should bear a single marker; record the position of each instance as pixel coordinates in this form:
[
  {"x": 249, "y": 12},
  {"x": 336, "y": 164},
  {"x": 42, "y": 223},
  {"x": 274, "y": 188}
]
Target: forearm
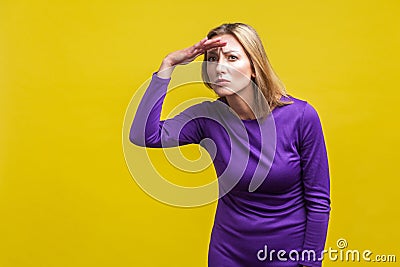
[
  {"x": 166, "y": 69},
  {"x": 315, "y": 237}
]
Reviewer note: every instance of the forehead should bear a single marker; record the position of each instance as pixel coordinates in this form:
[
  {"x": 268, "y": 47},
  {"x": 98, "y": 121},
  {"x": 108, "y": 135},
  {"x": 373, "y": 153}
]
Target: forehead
[{"x": 231, "y": 44}]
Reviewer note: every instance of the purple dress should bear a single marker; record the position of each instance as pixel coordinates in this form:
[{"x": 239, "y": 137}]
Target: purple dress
[{"x": 273, "y": 176}]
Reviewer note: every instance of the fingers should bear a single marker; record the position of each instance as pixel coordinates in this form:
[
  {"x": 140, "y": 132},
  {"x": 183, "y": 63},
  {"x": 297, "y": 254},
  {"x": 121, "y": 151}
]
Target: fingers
[
  {"x": 206, "y": 44},
  {"x": 215, "y": 42},
  {"x": 203, "y": 45}
]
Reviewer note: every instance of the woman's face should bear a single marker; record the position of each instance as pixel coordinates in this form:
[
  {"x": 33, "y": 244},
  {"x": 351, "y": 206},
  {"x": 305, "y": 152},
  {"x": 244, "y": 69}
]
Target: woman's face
[{"x": 228, "y": 67}]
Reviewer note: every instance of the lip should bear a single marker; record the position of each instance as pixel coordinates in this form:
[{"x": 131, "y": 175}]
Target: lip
[{"x": 221, "y": 81}]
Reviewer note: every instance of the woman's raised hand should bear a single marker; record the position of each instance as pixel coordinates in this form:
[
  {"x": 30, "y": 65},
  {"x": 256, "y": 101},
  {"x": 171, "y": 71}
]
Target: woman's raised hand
[{"x": 187, "y": 55}]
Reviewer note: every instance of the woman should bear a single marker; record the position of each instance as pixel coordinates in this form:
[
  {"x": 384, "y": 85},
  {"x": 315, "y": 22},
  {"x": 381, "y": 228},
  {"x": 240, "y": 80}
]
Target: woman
[{"x": 282, "y": 218}]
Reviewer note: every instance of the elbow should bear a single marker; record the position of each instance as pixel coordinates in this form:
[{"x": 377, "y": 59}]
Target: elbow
[
  {"x": 135, "y": 142},
  {"x": 140, "y": 139},
  {"x": 136, "y": 138},
  {"x": 320, "y": 205}
]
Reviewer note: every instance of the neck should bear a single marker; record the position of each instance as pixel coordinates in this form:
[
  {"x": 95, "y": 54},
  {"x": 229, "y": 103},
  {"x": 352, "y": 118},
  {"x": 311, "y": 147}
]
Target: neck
[{"x": 241, "y": 103}]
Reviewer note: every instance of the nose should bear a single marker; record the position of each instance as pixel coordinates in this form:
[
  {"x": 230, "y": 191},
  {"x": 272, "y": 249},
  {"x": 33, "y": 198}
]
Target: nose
[{"x": 220, "y": 68}]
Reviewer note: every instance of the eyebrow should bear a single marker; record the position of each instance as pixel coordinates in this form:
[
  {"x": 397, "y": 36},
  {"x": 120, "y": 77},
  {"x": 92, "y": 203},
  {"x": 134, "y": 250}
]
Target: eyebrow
[{"x": 226, "y": 52}]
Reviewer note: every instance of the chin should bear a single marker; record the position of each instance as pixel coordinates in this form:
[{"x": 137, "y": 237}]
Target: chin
[{"x": 223, "y": 91}]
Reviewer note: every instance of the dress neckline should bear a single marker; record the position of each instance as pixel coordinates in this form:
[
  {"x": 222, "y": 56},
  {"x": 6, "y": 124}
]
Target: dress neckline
[{"x": 223, "y": 99}]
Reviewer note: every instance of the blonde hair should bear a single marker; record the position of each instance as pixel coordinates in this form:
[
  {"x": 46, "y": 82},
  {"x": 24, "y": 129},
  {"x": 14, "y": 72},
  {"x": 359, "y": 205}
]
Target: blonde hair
[{"x": 265, "y": 79}]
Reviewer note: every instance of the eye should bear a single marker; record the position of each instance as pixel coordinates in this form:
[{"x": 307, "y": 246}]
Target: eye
[
  {"x": 211, "y": 58},
  {"x": 232, "y": 57}
]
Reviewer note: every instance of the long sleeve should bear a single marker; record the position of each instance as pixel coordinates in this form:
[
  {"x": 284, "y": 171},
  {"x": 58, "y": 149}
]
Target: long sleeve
[
  {"x": 316, "y": 182},
  {"x": 148, "y": 130}
]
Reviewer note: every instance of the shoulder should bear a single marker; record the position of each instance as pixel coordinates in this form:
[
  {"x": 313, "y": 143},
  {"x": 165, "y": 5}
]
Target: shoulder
[
  {"x": 199, "y": 109},
  {"x": 210, "y": 105},
  {"x": 302, "y": 107},
  {"x": 300, "y": 113},
  {"x": 298, "y": 104},
  {"x": 309, "y": 120}
]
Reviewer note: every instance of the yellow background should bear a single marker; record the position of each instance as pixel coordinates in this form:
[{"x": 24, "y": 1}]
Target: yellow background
[{"x": 68, "y": 70}]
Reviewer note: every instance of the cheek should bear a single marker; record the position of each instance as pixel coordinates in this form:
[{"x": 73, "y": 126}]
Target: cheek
[
  {"x": 242, "y": 70},
  {"x": 211, "y": 71}
]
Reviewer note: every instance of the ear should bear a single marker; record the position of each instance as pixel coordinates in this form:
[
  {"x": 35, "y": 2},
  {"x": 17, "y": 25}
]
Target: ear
[{"x": 253, "y": 75}]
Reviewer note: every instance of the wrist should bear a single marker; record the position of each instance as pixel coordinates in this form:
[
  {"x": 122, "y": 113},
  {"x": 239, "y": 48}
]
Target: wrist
[
  {"x": 167, "y": 62},
  {"x": 166, "y": 69}
]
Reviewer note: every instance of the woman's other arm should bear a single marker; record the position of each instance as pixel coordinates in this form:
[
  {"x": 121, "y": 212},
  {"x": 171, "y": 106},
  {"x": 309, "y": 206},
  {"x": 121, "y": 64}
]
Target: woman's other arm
[{"x": 316, "y": 181}]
